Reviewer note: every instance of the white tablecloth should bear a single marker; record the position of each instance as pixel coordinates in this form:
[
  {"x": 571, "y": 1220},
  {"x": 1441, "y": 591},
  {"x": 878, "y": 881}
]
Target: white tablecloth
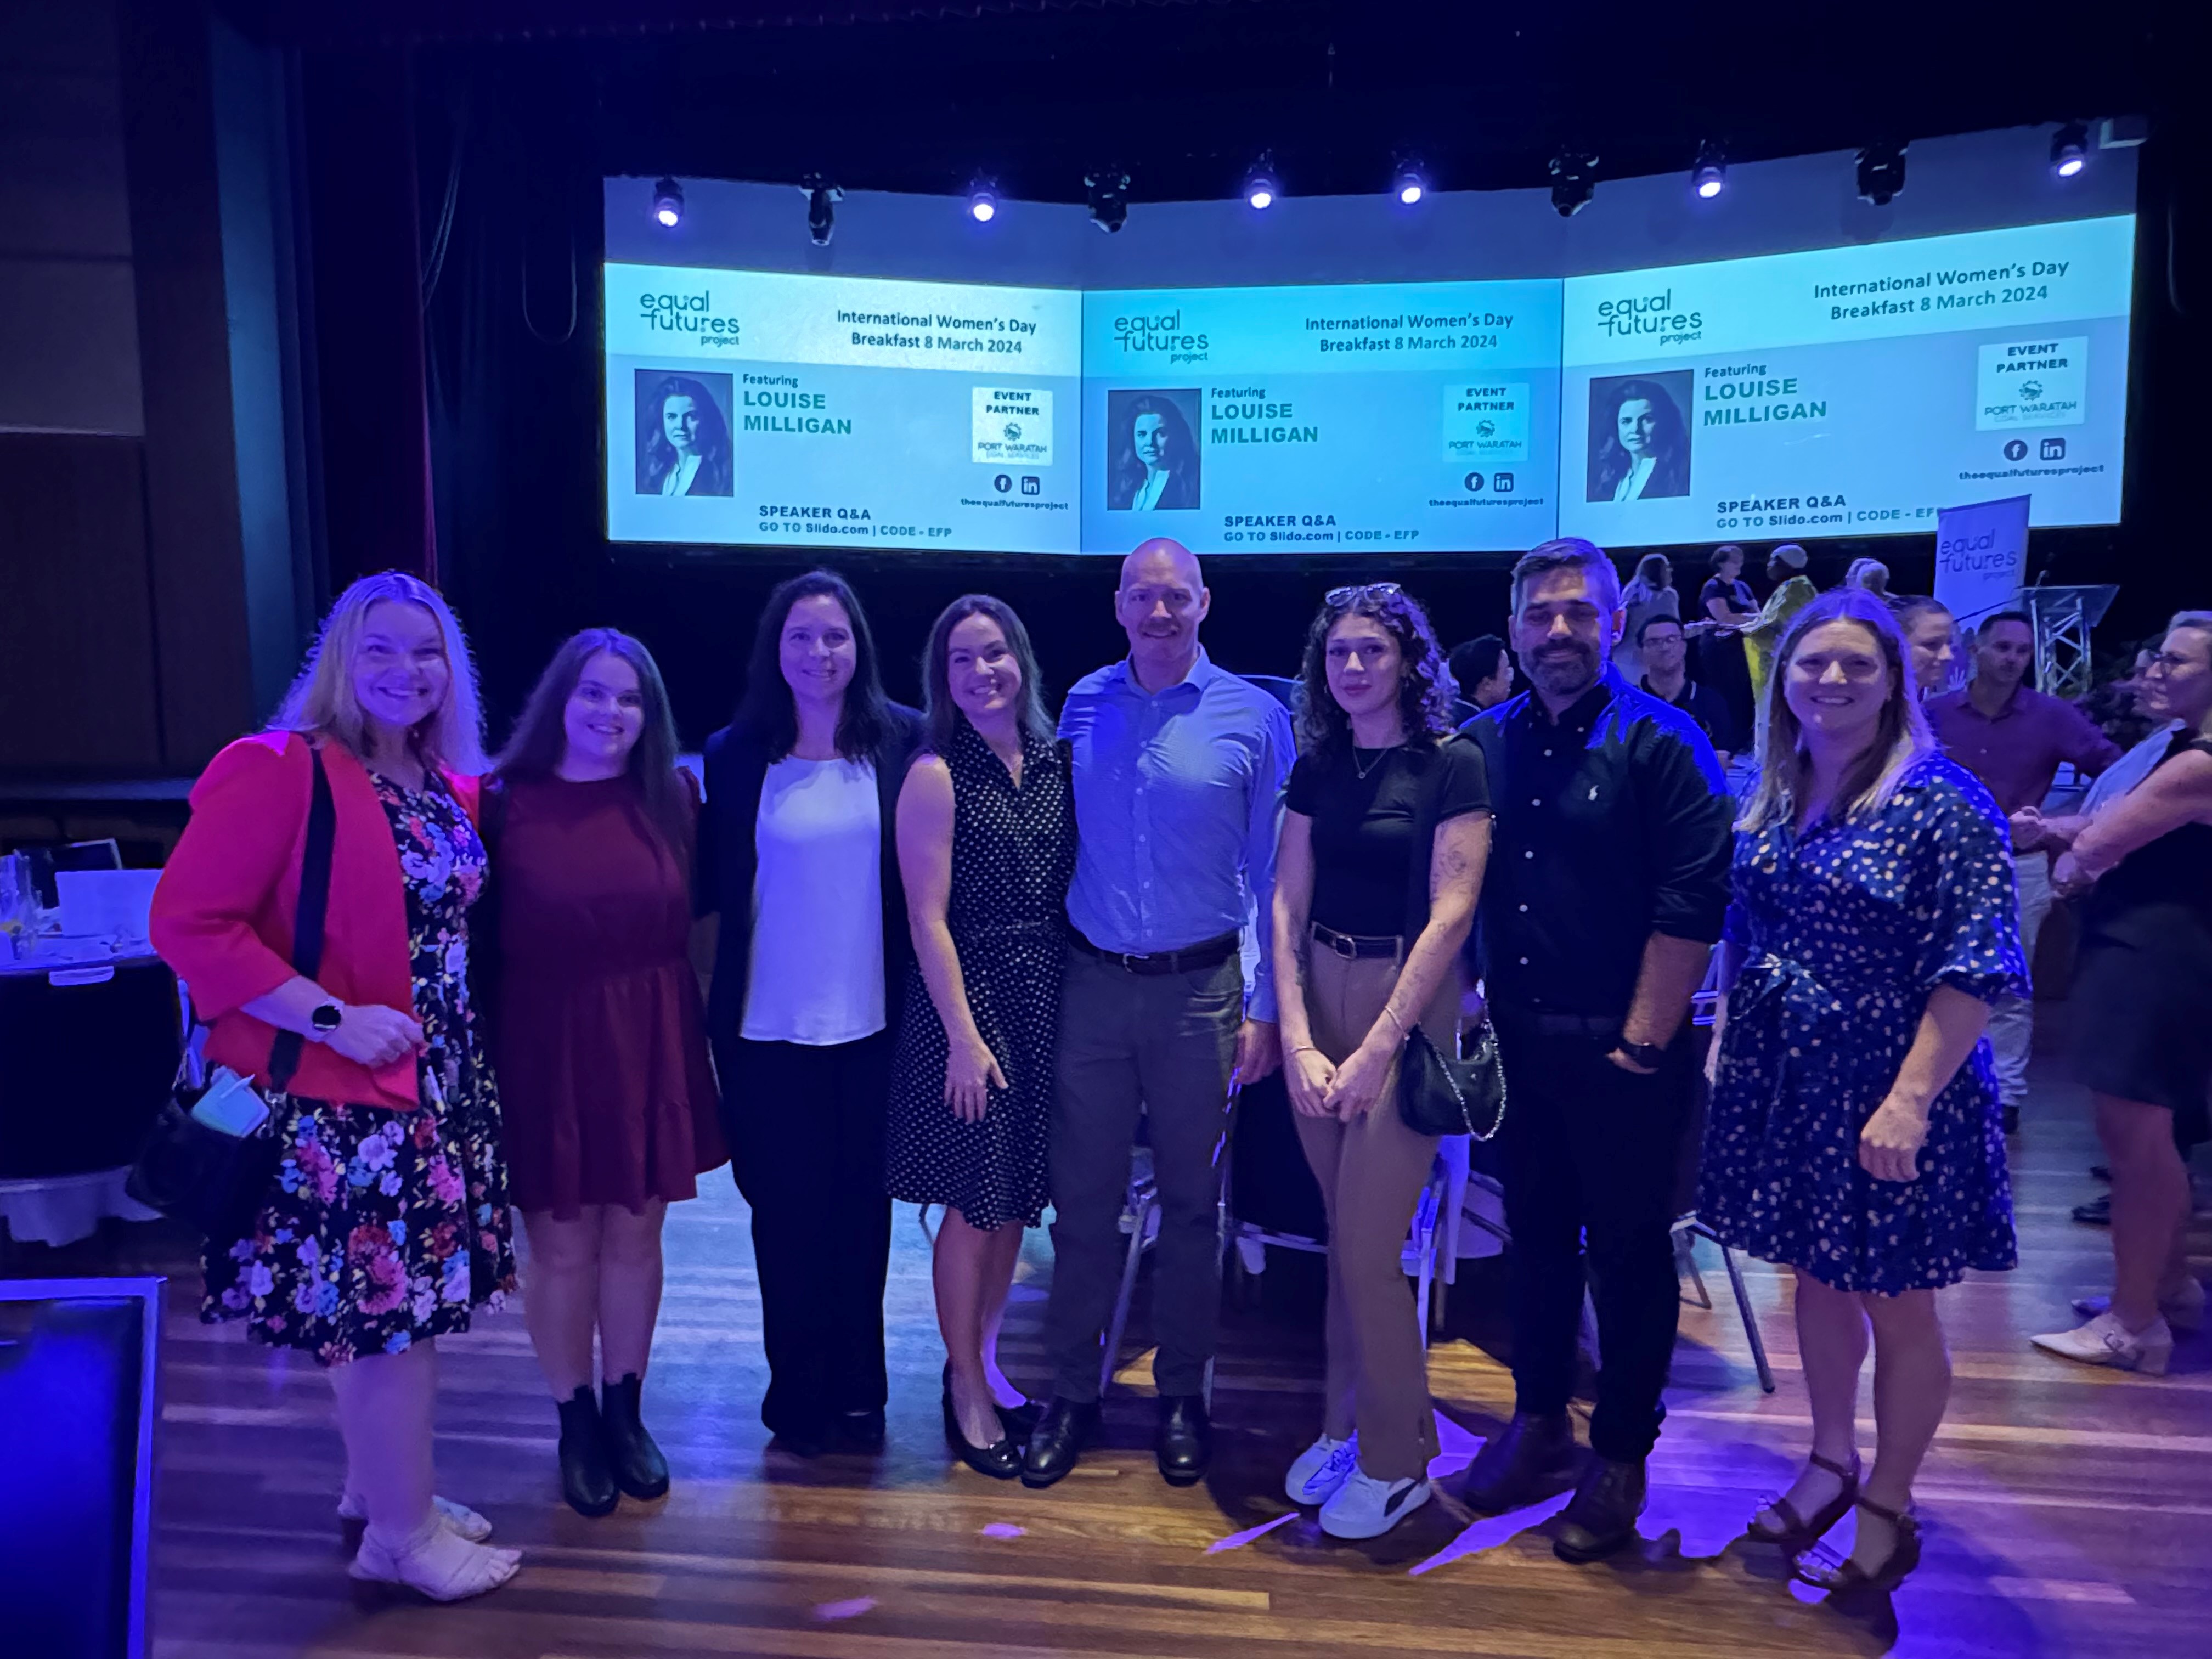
[{"x": 62, "y": 1209}]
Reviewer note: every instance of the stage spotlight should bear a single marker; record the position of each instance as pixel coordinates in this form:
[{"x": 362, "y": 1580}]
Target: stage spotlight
[
  {"x": 1109, "y": 199},
  {"x": 982, "y": 201},
  {"x": 1572, "y": 183},
  {"x": 2069, "y": 150},
  {"x": 1409, "y": 183},
  {"x": 821, "y": 199},
  {"x": 1710, "y": 176},
  {"x": 1881, "y": 172},
  {"x": 1260, "y": 188},
  {"x": 668, "y": 204}
]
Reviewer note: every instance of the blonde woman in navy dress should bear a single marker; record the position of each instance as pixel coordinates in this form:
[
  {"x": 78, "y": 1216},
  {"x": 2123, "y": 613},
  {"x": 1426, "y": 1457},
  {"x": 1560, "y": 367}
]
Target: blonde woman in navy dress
[
  {"x": 1854, "y": 1133},
  {"x": 987, "y": 849}
]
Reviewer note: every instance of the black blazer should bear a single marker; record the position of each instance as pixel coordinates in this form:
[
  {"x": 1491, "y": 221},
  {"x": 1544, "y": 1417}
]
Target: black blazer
[{"x": 737, "y": 768}]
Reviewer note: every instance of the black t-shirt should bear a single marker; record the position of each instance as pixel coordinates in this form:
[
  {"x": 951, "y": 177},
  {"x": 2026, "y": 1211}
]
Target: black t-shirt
[{"x": 1363, "y": 826}]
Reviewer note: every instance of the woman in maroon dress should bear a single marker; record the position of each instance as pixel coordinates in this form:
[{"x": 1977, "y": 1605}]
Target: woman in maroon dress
[{"x": 598, "y": 1035}]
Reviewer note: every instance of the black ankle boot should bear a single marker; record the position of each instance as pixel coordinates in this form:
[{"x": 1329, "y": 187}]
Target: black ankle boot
[
  {"x": 639, "y": 1467},
  {"x": 586, "y": 1481}
]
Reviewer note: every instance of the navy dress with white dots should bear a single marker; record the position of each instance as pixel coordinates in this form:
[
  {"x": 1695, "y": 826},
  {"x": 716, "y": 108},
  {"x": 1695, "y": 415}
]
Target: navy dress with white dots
[
  {"x": 1845, "y": 930},
  {"x": 1013, "y": 855}
]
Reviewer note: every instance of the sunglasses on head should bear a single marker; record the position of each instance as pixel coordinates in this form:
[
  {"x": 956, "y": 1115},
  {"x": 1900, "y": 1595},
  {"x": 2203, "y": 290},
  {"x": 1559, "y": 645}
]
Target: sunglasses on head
[{"x": 1352, "y": 595}]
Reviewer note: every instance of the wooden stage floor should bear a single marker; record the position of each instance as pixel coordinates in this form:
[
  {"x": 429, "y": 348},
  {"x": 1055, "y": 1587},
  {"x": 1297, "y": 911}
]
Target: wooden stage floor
[{"x": 2069, "y": 1509}]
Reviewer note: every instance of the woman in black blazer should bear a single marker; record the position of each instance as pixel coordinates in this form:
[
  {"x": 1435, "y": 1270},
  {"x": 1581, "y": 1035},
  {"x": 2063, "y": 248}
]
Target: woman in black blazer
[{"x": 797, "y": 852}]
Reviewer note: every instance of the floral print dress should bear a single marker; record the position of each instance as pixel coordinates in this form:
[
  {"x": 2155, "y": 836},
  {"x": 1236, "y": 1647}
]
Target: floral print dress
[
  {"x": 1845, "y": 930},
  {"x": 388, "y": 1227}
]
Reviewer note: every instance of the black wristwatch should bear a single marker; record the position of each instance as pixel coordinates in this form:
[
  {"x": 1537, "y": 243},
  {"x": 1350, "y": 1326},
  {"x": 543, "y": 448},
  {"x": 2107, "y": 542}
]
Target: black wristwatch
[
  {"x": 326, "y": 1019},
  {"x": 1649, "y": 1055}
]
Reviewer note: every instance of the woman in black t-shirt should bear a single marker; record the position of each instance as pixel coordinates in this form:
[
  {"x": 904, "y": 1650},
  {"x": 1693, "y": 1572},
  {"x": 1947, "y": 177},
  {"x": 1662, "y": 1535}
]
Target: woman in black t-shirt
[{"x": 1372, "y": 905}]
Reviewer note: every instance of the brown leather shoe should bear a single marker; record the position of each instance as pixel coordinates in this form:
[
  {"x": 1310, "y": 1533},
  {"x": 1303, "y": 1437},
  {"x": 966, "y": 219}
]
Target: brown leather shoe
[{"x": 1513, "y": 1468}]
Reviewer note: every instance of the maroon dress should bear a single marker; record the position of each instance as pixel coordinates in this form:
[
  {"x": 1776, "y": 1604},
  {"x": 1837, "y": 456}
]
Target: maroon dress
[{"x": 599, "y": 1033}]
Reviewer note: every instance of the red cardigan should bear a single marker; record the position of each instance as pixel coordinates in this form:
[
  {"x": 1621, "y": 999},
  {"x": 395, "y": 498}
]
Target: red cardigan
[{"x": 224, "y": 909}]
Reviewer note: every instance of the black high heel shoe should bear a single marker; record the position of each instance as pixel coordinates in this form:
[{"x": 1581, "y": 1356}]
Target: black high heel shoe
[{"x": 1001, "y": 1461}]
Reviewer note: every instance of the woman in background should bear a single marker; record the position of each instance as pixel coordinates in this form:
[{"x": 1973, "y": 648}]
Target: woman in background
[
  {"x": 1728, "y": 602},
  {"x": 599, "y": 1034},
  {"x": 387, "y": 1222},
  {"x": 987, "y": 848},
  {"x": 1854, "y": 1133},
  {"x": 2143, "y": 999},
  {"x": 1370, "y": 913},
  {"x": 796, "y": 851},
  {"x": 1650, "y": 592}
]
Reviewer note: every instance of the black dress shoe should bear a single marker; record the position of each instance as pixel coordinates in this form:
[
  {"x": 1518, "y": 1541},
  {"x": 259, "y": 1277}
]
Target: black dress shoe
[
  {"x": 1001, "y": 1460},
  {"x": 639, "y": 1467},
  {"x": 802, "y": 1439},
  {"x": 863, "y": 1430},
  {"x": 1021, "y": 1420},
  {"x": 587, "y": 1480},
  {"x": 1511, "y": 1468},
  {"x": 1061, "y": 1433},
  {"x": 1601, "y": 1518},
  {"x": 1185, "y": 1441}
]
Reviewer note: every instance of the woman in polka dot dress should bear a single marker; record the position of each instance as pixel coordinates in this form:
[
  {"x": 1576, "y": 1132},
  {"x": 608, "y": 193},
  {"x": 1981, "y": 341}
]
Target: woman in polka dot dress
[
  {"x": 987, "y": 848},
  {"x": 1854, "y": 1133}
]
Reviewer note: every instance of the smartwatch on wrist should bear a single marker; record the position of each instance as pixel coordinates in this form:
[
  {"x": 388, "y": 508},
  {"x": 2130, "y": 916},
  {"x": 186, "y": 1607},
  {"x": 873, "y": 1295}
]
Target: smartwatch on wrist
[
  {"x": 1650, "y": 1056},
  {"x": 325, "y": 1019}
]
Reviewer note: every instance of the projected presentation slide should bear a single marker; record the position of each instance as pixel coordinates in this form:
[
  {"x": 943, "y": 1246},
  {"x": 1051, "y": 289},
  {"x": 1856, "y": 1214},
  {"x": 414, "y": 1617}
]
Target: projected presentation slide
[
  {"x": 754, "y": 407},
  {"x": 1848, "y": 390},
  {"x": 1321, "y": 419}
]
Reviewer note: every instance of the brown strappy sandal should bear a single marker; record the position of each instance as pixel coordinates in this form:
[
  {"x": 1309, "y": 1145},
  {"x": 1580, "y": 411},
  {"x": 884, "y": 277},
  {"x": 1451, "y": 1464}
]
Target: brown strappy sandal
[
  {"x": 1823, "y": 1569},
  {"x": 1800, "y": 1531}
]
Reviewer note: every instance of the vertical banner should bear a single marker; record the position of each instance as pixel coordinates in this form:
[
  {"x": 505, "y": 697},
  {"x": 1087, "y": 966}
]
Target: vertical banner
[{"x": 1981, "y": 556}]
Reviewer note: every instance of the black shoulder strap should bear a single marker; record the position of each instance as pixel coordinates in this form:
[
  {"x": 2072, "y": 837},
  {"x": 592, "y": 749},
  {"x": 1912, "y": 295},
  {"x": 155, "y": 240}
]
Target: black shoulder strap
[{"x": 315, "y": 906}]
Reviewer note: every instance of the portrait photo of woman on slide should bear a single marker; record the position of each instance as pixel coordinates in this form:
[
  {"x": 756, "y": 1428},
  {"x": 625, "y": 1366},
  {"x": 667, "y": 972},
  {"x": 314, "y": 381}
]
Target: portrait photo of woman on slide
[
  {"x": 1153, "y": 458},
  {"x": 1639, "y": 444},
  {"x": 683, "y": 434}
]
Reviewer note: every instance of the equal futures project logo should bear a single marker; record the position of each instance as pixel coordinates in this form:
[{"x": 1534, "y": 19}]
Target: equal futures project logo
[{"x": 691, "y": 313}]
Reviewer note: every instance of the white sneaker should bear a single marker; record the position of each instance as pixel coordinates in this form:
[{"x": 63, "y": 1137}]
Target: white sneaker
[
  {"x": 2183, "y": 1308},
  {"x": 2105, "y": 1341},
  {"x": 1364, "y": 1507},
  {"x": 458, "y": 1516},
  {"x": 1321, "y": 1468}
]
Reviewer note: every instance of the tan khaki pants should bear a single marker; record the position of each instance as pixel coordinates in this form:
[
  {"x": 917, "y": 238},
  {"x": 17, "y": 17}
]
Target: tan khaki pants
[{"x": 1371, "y": 1173}]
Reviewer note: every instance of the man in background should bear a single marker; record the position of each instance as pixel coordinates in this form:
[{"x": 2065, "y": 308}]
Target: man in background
[
  {"x": 1483, "y": 672},
  {"x": 2013, "y": 737},
  {"x": 1666, "y": 677}
]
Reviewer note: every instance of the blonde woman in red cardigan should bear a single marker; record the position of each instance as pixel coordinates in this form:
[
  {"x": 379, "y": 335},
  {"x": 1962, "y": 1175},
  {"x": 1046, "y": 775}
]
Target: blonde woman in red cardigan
[{"x": 387, "y": 1222}]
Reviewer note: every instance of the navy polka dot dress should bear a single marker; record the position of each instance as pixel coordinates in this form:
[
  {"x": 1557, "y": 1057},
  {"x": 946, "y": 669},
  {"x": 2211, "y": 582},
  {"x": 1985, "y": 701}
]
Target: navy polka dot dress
[
  {"x": 1845, "y": 930},
  {"x": 1013, "y": 855}
]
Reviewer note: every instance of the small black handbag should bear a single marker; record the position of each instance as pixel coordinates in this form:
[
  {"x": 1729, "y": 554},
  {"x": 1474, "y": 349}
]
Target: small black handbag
[
  {"x": 1442, "y": 1092},
  {"x": 193, "y": 1172},
  {"x": 1447, "y": 1094}
]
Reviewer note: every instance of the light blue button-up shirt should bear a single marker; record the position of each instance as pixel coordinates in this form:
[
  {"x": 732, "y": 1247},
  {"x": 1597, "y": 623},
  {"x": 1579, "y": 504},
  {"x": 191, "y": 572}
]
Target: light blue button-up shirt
[{"x": 1178, "y": 803}]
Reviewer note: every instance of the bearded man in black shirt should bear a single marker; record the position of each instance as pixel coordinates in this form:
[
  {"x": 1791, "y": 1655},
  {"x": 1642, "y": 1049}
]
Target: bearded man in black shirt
[{"x": 1608, "y": 884}]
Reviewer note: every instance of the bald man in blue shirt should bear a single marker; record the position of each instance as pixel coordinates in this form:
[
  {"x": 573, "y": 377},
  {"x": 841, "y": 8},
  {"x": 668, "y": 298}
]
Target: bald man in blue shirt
[{"x": 1179, "y": 770}]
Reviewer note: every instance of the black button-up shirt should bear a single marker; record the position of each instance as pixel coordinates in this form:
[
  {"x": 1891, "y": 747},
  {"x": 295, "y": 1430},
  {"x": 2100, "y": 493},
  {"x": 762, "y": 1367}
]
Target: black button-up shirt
[{"x": 1611, "y": 825}]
